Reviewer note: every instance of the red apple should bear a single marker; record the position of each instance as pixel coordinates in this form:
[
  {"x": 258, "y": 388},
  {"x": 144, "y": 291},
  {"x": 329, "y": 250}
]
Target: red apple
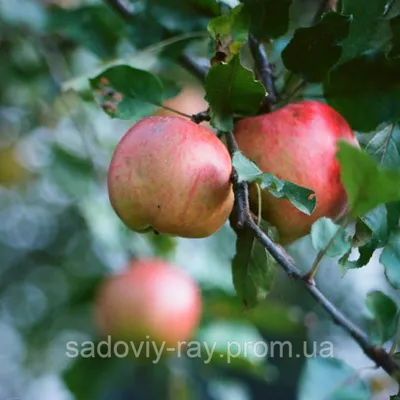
[
  {"x": 152, "y": 300},
  {"x": 173, "y": 176},
  {"x": 297, "y": 143}
]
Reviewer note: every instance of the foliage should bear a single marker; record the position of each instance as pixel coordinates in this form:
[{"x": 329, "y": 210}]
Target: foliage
[{"x": 68, "y": 66}]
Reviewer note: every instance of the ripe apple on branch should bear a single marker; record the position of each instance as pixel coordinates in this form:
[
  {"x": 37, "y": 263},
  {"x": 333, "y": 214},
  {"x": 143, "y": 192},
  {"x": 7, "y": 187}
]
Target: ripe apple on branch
[{"x": 173, "y": 176}]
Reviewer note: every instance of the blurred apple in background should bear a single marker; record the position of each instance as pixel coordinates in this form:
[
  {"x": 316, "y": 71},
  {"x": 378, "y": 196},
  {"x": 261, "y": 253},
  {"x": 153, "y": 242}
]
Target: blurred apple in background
[{"x": 151, "y": 300}]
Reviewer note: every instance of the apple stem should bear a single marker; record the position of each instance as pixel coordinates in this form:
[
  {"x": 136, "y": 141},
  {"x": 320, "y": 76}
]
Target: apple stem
[
  {"x": 175, "y": 111},
  {"x": 376, "y": 353},
  {"x": 264, "y": 73}
]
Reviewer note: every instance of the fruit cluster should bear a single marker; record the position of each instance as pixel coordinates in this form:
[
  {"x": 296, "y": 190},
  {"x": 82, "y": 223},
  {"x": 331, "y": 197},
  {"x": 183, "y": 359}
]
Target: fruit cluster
[{"x": 172, "y": 176}]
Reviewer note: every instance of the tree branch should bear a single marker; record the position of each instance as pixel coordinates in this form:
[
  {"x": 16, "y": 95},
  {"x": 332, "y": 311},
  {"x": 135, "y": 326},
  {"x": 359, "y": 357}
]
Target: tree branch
[
  {"x": 375, "y": 353},
  {"x": 264, "y": 72}
]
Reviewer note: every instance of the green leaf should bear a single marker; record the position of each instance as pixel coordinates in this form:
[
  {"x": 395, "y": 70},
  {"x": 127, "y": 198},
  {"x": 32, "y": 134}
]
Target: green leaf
[
  {"x": 325, "y": 231},
  {"x": 211, "y": 6},
  {"x": 246, "y": 169},
  {"x": 268, "y": 316},
  {"x": 230, "y": 31},
  {"x": 269, "y": 18},
  {"x": 382, "y": 38},
  {"x": 302, "y": 198},
  {"x": 237, "y": 363},
  {"x": 363, "y": 232},
  {"x": 182, "y": 16},
  {"x": 372, "y": 232},
  {"x": 364, "y": 258},
  {"x": 236, "y": 24},
  {"x": 384, "y": 314},
  {"x": 313, "y": 51},
  {"x": 232, "y": 89},
  {"x": 94, "y": 27},
  {"x": 376, "y": 221},
  {"x": 395, "y": 29},
  {"x": 393, "y": 215},
  {"x": 392, "y": 9},
  {"x": 103, "y": 373},
  {"x": 390, "y": 259},
  {"x": 127, "y": 93},
  {"x": 253, "y": 269},
  {"x": 365, "y": 21},
  {"x": 366, "y": 91},
  {"x": 361, "y": 177},
  {"x": 384, "y": 147},
  {"x": 372, "y": 229},
  {"x": 144, "y": 30},
  {"x": 331, "y": 379}
]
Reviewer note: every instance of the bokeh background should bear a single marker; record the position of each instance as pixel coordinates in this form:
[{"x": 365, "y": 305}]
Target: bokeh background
[{"x": 59, "y": 237}]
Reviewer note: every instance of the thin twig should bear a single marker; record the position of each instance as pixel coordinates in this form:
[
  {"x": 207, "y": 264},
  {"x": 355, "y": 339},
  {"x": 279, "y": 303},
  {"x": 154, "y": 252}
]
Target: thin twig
[
  {"x": 375, "y": 353},
  {"x": 264, "y": 72}
]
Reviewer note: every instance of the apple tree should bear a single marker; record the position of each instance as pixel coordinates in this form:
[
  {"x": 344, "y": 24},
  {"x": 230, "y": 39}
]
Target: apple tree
[{"x": 254, "y": 144}]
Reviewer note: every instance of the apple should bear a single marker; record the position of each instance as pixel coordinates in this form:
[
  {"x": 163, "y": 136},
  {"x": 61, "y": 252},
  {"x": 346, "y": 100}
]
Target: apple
[
  {"x": 297, "y": 143},
  {"x": 173, "y": 176},
  {"x": 152, "y": 300}
]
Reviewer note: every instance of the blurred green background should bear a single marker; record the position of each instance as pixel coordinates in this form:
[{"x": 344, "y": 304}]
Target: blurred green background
[{"x": 59, "y": 237}]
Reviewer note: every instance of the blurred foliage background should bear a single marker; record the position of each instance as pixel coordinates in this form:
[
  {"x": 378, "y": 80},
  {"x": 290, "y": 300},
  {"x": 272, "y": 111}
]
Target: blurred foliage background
[{"x": 59, "y": 236}]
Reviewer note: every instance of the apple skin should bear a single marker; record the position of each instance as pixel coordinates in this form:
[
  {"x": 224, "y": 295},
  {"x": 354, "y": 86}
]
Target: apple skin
[
  {"x": 297, "y": 143},
  {"x": 152, "y": 300},
  {"x": 173, "y": 176}
]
